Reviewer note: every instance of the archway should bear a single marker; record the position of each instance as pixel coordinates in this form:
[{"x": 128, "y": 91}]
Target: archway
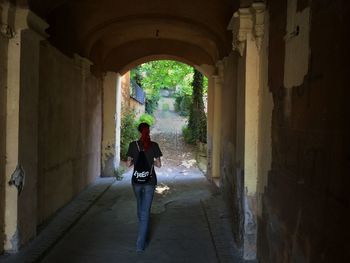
[{"x": 114, "y": 43}]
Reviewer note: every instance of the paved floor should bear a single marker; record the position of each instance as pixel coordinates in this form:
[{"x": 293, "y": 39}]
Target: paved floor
[
  {"x": 189, "y": 221},
  {"x": 188, "y": 224},
  {"x": 179, "y": 228}
]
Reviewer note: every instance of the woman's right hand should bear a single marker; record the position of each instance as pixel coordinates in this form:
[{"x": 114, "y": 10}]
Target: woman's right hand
[{"x": 129, "y": 162}]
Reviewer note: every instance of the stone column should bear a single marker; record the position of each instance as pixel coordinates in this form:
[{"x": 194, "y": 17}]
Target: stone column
[
  {"x": 210, "y": 126},
  {"x": 109, "y": 123},
  {"x": 118, "y": 120},
  {"x": 218, "y": 82},
  {"x": 21, "y": 127},
  {"x": 247, "y": 25}
]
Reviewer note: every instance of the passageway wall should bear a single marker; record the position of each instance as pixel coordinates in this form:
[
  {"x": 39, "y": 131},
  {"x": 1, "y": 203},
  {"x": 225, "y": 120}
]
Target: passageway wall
[
  {"x": 128, "y": 101},
  {"x": 306, "y": 201},
  {"x": 69, "y": 129},
  {"x": 232, "y": 134},
  {"x": 3, "y": 74}
]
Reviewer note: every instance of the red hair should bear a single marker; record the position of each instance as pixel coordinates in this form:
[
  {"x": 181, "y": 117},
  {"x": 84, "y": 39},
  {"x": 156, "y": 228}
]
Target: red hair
[{"x": 145, "y": 137}]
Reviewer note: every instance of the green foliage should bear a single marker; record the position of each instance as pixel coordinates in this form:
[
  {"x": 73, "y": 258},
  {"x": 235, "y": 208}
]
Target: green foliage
[
  {"x": 136, "y": 74},
  {"x": 197, "y": 122},
  {"x": 166, "y": 74},
  {"x": 128, "y": 131},
  {"x": 147, "y": 119},
  {"x": 152, "y": 98},
  {"x": 183, "y": 104},
  {"x": 118, "y": 173},
  {"x": 187, "y": 135},
  {"x": 165, "y": 107}
]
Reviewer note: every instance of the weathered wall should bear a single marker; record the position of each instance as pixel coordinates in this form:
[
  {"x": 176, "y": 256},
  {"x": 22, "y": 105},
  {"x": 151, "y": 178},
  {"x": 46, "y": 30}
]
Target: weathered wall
[
  {"x": 28, "y": 135},
  {"x": 3, "y": 74},
  {"x": 109, "y": 123},
  {"x": 125, "y": 83},
  {"x": 69, "y": 129},
  {"x": 127, "y": 100},
  {"x": 265, "y": 118},
  {"x": 305, "y": 211},
  {"x": 232, "y": 156}
]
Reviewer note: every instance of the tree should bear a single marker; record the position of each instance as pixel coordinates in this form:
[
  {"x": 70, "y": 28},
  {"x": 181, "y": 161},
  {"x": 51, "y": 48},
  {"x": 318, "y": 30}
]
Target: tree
[
  {"x": 197, "y": 122},
  {"x": 166, "y": 74}
]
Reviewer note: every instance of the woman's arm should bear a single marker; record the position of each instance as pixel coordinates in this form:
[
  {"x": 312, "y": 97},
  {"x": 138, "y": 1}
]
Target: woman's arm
[
  {"x": 129, "y": 161},
  {"x": 157, "y": 162}
]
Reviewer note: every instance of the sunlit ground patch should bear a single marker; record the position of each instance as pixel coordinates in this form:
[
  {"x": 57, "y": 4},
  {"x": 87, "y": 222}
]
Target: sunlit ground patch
[
  {"x": 188, "y": 163},
  {"x": 162, "y": 189}
]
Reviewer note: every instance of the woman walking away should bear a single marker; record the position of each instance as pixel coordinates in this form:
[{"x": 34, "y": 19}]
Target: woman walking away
[{"x": 144, "y": 155}]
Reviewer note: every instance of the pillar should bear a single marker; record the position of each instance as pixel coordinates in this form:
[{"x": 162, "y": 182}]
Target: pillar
[
  {"x": 118, "y": 120},
  {"x": 210, "y": 125},
  {"x": 21, "y": 127},
  {"x": 109, "y": 112},
  {"x": 218, "y": 83},
  {"x": 247, "y": 25}
]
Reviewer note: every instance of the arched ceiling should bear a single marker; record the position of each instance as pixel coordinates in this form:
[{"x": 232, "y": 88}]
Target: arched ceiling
[{"x": 114, "y": 33}]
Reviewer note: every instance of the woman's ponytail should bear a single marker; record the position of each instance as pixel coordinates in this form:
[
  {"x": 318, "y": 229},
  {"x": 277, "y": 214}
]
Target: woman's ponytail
[{"x": 145, "y": 137}]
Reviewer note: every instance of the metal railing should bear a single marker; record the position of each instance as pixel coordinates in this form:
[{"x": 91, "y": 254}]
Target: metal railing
[{"x": 137, "y": 93}]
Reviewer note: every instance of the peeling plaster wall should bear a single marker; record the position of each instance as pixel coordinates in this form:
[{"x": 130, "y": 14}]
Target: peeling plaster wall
[
  {"x": 3, "y": 81},
  {"x": 69, "y": 130},
  {"x": 232, "y": 149},
  {"x": 306, "y": 202},
  {"x": 265, "y": 119}
]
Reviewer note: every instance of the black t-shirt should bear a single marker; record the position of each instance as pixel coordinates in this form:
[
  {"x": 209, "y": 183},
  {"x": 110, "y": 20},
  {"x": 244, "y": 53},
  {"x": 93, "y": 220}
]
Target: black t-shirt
[{"x": 152, "y": 153}]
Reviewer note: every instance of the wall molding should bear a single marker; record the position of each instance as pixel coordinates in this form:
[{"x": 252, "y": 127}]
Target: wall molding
[{"x": 247, "y": 24}]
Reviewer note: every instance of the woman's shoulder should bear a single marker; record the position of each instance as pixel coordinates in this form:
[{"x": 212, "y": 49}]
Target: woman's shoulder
[
  {"x": 154, "y": 143},
  {"x": 132, "y": 144}
]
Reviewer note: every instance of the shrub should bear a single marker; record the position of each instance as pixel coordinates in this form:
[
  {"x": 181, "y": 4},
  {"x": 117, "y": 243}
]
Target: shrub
[
  {"x": 183, "y": 104},
  {"x": 165, "y": 107},
  {"x": 187, "y": 134},
  {"x": 178, "y": 100},
  {"x": 128, "y": 131},
  {"x": 146, "y": 118},
  {"x": 197, "y": 122},
  {"x": 152, "y": 102}
]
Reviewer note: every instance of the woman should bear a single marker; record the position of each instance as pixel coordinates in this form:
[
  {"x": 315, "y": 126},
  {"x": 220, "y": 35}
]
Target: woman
[{"x": 144, "y": 192}]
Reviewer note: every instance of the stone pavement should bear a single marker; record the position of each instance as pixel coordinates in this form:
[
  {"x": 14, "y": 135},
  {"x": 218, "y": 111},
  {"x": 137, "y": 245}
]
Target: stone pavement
[
  {"x": 187, "y": 225},
  {"x": 189, "y": 221}
]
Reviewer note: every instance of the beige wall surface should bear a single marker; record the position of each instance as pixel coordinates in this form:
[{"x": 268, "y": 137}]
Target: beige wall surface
[
  {"x": 3, "y": 73},
  {"x": 125, "y": 81},
  {"x": 69, "y": 130},
  {"x": 109, "y": 123},
  {"x": 127, "y": 101}
]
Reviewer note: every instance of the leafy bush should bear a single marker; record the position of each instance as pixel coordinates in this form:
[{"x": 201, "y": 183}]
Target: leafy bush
[
  {"x": 197, "y": 122},
  {"x": 128, "y": 131},
  {"x": 178, "y": 100},
  {"x": 187, "y": 134},
  {"x": 183, "y": 104},
  {"x": 146, "y": 118},
  {"x": 152, "y": 101},
  {"x": 165, "y": 107}
]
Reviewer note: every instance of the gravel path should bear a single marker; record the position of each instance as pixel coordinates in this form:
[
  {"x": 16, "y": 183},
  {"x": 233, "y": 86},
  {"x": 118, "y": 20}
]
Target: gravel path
[{"x": 168, "y": 133}]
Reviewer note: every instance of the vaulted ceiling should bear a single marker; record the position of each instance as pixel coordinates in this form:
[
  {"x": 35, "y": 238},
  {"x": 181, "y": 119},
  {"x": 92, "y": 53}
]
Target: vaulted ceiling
[{"x": 115, "y": 34}]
